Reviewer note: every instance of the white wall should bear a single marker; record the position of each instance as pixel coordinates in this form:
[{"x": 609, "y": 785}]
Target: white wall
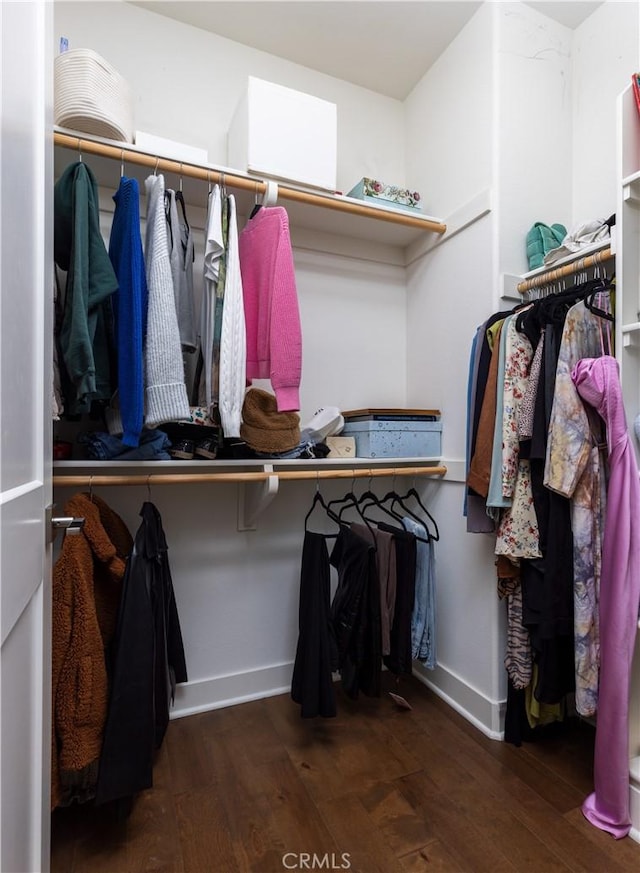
[
  {"x": 354, "y": 321},
  {"x": 533, "y": 154},
  {"x": 450, "y": 118},
  {"x": 450, "y": 290},
  {"x": 606, "y": 51}
]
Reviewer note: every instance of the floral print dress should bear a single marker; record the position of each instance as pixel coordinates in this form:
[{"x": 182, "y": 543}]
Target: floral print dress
[
  {"x": 573, "y": 468},
  {"x": 517, "y": 535}
]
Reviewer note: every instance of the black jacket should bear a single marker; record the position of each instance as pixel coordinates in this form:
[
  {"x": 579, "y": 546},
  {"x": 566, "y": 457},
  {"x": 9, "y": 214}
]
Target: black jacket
[{"x": 147, "y": 662}]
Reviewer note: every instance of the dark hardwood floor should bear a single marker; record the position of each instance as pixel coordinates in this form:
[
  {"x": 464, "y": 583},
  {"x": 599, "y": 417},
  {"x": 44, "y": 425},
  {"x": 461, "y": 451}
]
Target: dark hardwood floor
[{"x": 256, "y": 788}]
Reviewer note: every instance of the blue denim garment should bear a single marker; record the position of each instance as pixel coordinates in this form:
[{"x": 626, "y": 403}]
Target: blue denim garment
[
  {"x": 302, "y": 450},
  {"x": 423, "y": 619},
  {"x": 104, "y": 447}
]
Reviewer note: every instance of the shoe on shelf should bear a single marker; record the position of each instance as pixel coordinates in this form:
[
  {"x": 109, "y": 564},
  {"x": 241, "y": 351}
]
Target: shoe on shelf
[
  {"x": 327, "y": 421},
  {"x": 182, "y": 450},
  {"x": 207, "y": 448}
]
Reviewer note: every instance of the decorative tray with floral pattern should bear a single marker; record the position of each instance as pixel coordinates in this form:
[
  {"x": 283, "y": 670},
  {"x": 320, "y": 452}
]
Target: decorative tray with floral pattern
[{"x": 386, "y": 195}]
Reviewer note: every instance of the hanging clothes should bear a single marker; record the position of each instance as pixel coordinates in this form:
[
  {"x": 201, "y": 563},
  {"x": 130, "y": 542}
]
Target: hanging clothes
[
  {"x": 148, "y": 660},
  {"x": 573, "y": 469},
  {"x": 181, "y": 256},
  {"x": 130, "y": 307},
  {"x": 399, "y": 659},
  {"x": 517, "y": 534},
  {"x": 518, "y": 660},
  {"x": 316, "y": 652},
  {"x": 548, "y": 582},
  {"x": 423, "y": 618},
  {"x": 474, "y": 508},
  {"x": 479, "y": 473},
  {"x": 552, "y": 530},
  {"x": 165, "y": 391},
  {"x": 598, "y": 383},
  {"x": 355, "y": 614},
  {"x": 387, "y": 579},
  {"x": 233, "y": 337},
  {"x": 386, "y": 569},
  {"x": 86, "y": 351},
  {"x": 205, "y": 389},
  {"x": 57, "y": 400},
  {"x": 496, "y": 497},
  {"x": 87, "y": 581},
  {"x": 274, "y": 334}
]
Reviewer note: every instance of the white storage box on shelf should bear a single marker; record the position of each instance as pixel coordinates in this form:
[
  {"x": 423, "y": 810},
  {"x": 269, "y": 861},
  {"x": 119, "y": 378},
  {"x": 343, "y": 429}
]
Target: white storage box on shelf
[
  {"x": 169, "y": 148},
  {"x": 285, "y": 134},
  {"x": 90, "y": 96}
]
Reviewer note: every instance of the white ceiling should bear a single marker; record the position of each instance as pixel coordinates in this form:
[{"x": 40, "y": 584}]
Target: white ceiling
[{"x": 359, "y": 41}]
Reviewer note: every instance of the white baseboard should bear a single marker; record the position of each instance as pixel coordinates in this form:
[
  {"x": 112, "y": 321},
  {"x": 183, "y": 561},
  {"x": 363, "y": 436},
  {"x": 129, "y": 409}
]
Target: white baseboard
[
  {"x": 485, "y": 714},
  {"x": 217, "y": 692}
]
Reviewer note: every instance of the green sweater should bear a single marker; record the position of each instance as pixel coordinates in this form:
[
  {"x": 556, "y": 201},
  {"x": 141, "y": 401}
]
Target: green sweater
[{"x": 80, "y": 250}]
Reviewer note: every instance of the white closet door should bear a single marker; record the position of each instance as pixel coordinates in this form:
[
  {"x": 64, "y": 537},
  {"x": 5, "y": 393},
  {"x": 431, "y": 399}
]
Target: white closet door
[{"x": 25, "y": 425}]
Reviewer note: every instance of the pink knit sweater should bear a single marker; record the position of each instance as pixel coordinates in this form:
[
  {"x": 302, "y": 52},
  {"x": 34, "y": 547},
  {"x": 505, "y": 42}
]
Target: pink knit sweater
[{"x": 274, "y": 337}]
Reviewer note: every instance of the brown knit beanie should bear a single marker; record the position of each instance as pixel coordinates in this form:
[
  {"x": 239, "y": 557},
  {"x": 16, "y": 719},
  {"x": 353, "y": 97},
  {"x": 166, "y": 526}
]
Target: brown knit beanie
[{"x": 265, "y": 429}]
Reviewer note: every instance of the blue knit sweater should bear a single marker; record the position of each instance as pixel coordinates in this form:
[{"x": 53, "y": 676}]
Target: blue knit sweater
[{"x": 130, "y": 304}]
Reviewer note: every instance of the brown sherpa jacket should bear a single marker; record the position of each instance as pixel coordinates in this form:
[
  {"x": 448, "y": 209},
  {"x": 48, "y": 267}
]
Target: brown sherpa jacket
[{"x": 87, "y": 581}]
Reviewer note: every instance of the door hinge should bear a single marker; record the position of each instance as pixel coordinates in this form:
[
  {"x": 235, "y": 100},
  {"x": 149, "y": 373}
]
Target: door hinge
[{"x": 68, "y": 523}]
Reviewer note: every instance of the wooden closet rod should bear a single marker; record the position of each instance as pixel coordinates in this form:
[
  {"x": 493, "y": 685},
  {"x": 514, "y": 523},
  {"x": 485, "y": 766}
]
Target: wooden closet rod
[
  {"x": 568, "y": 270},
  {"x": 62, "y": 481},
  {"x": 327, "y": 201}
]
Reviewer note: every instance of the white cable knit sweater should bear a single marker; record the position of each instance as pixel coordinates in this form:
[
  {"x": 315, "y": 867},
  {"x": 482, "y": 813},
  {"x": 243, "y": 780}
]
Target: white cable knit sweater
[
  {"x": 233, "y": 341},
  {"x": 165, "y": 391}
]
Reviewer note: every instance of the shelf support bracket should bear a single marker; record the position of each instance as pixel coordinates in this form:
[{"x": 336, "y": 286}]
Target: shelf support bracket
[
  {"x": 631, "y": 194},
  {"x": 253, "y": 499}
]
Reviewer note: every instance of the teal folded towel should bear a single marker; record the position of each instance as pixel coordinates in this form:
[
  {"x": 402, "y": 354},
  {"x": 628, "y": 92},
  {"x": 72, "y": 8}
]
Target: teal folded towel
[{"x": 542, "y": 238}]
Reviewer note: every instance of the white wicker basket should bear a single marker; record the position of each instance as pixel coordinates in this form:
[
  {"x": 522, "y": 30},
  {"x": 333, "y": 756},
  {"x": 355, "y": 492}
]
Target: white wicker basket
[{"x": 90, "y": 96}]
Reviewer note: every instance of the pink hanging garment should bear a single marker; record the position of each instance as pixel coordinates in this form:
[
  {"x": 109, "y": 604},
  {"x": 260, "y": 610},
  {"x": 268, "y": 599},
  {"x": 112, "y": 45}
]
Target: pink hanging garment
[{"x": 598, "y": 383}]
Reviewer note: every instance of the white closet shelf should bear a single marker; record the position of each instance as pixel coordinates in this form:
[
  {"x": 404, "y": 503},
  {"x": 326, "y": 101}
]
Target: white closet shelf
[
  {"x": 632, "y": 179},
  {"x": 314, "y": 210},
  {"x": 259, "y": 479},
  {"x": 86, "y": 468},
  {"x": 596, "y": 253}
]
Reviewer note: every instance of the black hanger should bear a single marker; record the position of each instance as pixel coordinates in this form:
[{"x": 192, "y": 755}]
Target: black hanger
[
  {"x": 167, "y": 215},
  {"x": 350, "y": 501},
  {"x": 183, "y": 207},
  {"x": 605, "y": 288},
  {"x": 413, "y": 493},
  {"x": 180, "y": 200},
  {"x": 393, "y": 496},
  {"x": 319, "y": 499},
  {"x": 374, "y": 500},
  {"x": 255, "y": 210}
]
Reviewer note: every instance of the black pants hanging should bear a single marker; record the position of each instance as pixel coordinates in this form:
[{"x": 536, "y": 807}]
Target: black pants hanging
[
  {"x": 355, "y": 613},
  {"x": 399, "y": 659},
  {"x": 316, "y": 655}
]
